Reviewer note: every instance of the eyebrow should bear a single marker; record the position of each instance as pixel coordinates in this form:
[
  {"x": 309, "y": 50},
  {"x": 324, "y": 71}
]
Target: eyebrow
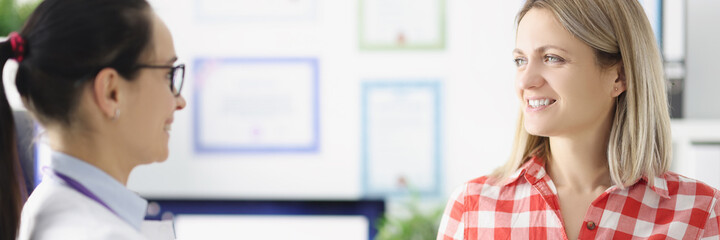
[{"x": 542, "y": 49}]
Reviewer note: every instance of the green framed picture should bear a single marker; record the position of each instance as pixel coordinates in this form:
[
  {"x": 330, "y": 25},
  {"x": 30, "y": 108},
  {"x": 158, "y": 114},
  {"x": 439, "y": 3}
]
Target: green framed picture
[{"x": 401, "y": 25}]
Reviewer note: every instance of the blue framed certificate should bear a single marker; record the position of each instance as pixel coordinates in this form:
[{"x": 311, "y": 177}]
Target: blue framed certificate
[
  {"x": 256, "y": 105},
  {"x": 401, "y": 137}
]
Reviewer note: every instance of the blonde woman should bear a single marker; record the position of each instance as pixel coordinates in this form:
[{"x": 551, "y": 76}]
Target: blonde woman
[{"x": 593, "y": 145}]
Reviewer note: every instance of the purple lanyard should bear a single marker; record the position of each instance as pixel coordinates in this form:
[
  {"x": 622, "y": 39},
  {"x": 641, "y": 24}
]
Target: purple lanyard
[{"x": 81, "y": 189}]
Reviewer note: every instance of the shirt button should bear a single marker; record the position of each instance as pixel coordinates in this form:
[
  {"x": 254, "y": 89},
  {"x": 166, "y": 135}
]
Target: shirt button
[{"x": 591, "y": 225}]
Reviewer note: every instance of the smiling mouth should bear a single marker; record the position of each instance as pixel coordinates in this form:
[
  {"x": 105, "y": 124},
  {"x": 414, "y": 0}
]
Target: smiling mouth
[{"x": 541, "y": 102}]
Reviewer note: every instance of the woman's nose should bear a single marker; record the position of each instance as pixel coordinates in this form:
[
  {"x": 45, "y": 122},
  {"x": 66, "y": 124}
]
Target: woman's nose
[
  {"x": 180, "y": 101},
  {"x": 530, "y": 77}
]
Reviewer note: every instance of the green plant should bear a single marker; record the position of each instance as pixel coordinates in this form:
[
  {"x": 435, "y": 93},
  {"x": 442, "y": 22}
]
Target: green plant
[
  {"x": 13, "y": 15},
  {"x": 416, "y": 225}
]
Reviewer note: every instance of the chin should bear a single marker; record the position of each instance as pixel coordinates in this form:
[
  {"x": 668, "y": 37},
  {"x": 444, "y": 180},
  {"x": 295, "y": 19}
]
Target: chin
[
  {"x": 537, "y": 129},
  {"x": 162, "y": 158}
]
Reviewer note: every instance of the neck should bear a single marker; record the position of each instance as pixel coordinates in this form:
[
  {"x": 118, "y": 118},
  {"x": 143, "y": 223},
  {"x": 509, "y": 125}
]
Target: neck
[
  {"x": 580, "y": 166},
  {"x": 93, "y": 149},
  {"x": 579, "y": 162}
]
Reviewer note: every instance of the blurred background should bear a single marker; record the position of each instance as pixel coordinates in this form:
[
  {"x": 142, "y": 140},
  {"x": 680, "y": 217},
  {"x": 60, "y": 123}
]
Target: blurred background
[{"x": 355, "y": 119}]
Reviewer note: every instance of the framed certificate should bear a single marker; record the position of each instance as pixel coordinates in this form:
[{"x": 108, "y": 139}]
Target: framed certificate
[
  {"x": 256, "y": 105},
  {"x": 401, "y": 137},
  {"x": 250, "y": 10},
  {"x": 401, "y": 24}
]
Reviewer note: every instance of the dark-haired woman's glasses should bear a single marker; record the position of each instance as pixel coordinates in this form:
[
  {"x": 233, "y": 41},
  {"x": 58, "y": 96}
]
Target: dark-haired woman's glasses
[{"x": 176, "y": 75}]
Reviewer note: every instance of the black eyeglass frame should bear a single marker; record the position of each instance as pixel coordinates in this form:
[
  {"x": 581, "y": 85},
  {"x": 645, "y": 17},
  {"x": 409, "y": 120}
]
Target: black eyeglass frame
[{"x": 172, "y": 74}]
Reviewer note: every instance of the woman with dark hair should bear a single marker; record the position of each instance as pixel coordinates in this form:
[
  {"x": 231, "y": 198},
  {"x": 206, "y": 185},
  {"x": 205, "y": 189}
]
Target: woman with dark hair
[{"x": 98, "y": 75}]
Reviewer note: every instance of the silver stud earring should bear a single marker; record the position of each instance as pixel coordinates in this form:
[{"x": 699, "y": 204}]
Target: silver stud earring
[{"x": 117, "y": 114}]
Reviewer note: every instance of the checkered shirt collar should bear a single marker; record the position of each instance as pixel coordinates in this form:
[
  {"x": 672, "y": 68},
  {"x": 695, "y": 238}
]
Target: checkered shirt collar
[{"x": 533, "y": 171}]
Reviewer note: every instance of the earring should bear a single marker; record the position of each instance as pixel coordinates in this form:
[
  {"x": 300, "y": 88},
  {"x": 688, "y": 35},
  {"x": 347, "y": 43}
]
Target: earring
[
  {"x": 117, "y": 114},
  {"x": 616, "y": 89}
]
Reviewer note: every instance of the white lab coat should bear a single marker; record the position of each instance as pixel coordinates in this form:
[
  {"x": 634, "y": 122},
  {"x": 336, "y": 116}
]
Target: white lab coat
[{"x": 55, "y": 211}]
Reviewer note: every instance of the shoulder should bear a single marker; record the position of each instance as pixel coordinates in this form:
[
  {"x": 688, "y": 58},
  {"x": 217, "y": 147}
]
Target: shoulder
[
  {"x": 51, "y": 198},
  {"x": 680, "y": 196},
  {"x": 487, "y": 188},
  {"x": 688, "y": 190},
  {"x": 54, "y": 211}
]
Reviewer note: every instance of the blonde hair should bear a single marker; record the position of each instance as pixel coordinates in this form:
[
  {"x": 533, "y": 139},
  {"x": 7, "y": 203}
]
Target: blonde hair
[{"x": 619, "y": 32}]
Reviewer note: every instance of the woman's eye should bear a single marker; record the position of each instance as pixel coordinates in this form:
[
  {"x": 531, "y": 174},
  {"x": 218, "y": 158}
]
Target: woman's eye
[
  {"x": 169, "y": 75},
  {"x": 553, "y": 59},
  {"x": 519, "y": 61}
]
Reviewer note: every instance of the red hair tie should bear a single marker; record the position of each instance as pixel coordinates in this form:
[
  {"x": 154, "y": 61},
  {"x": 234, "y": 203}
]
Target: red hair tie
[{"x": 18, "y": 46}]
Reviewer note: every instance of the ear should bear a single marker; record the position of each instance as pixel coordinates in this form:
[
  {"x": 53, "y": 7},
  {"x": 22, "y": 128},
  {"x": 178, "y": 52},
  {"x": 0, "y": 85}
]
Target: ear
[
  {"x": 620, "y": 84},
  {"x": 105, "y": 92}
]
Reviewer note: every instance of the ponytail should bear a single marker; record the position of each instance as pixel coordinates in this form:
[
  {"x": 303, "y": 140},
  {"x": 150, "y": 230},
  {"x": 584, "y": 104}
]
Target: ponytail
[{"x": 10, "y": 193}]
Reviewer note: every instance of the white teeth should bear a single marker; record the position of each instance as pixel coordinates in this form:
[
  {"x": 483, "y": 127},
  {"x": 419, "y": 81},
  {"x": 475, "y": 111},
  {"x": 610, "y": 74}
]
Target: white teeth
[
  {"x": 167, "y": 128},
  {"x": 539, "y": 102}
]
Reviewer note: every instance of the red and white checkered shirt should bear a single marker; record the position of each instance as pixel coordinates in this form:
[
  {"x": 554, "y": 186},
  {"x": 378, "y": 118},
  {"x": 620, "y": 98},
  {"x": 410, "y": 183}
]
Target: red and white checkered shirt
[{"x": 526, "y": 207}]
